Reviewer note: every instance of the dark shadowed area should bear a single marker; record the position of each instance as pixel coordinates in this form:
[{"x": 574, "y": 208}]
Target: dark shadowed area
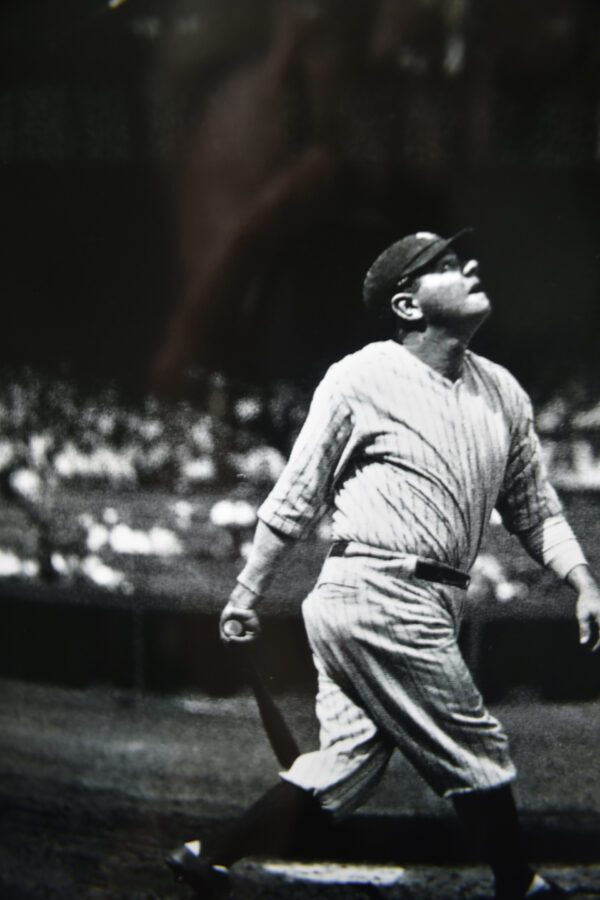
[{"x": 195, "y": 184}]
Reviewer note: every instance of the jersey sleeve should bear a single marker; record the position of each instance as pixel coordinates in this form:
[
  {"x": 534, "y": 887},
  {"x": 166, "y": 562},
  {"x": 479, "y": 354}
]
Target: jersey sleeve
[
  {"x": 526, "y": 498},
  {"x": 528, "y": 504},
  {"x": 304, "y": 490}
]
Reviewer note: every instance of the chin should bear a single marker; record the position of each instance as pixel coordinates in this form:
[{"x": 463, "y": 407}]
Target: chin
[{"x": 480, "y": 303}]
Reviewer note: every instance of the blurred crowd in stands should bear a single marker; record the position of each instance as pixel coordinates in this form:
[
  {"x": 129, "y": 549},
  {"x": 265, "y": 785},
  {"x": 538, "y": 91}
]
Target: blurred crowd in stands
[
  {"x": 89, "y": 439},
  {"x": 211, "y": 464},
  {"x": 59, "y": 441},
  {"x": 53, "y": 429}
]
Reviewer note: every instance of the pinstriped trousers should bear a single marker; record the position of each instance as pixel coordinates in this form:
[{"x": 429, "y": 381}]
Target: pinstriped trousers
[{"x": 391, "y": 675}]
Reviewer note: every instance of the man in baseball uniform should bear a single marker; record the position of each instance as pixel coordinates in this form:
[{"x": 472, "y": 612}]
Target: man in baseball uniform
[{"x": 410, "y": 442}]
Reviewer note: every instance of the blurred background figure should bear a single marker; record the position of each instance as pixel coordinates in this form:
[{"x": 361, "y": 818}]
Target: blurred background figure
[{"x": 310, "y": 132}]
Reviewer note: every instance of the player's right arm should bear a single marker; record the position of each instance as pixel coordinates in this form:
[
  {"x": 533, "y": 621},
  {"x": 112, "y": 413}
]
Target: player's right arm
[
  {"x": 298, "y": 500},
  {"x": 267, "y": 549}
]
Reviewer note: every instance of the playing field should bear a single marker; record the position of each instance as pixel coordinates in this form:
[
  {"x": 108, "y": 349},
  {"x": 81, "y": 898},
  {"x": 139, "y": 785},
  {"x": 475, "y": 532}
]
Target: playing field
[
  {"x": 103, "y": 769},
  {"x": 96, "y": 786}
]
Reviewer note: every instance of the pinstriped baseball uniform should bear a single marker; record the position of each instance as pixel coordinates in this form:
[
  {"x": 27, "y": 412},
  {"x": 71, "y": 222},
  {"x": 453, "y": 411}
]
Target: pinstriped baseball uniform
[{"x": 410, "y": 463}]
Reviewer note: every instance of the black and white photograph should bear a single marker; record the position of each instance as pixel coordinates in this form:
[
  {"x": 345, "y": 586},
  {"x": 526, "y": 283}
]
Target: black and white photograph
[{"x": 300, "y": 449}]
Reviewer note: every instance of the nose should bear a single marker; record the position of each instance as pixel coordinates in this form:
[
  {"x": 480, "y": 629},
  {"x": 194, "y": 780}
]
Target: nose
[{"x": 471, "y": 267}]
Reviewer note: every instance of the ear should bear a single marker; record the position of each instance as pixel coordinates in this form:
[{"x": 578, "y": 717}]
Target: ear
[{"x": 406, "y": 307}]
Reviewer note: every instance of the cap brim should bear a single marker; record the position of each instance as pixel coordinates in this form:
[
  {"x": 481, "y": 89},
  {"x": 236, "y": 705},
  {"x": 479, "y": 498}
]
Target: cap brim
[{"x": 436, "y": 250}]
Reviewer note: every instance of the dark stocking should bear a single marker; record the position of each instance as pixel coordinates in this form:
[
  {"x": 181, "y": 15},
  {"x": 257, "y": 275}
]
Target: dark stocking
[
  {"x": 285, "y": 821},
  {"x": 492, "y": 821}
]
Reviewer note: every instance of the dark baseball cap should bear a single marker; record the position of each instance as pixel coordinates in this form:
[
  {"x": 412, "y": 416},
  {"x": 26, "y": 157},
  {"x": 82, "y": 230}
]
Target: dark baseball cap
[{"x": 406, "y": 258}]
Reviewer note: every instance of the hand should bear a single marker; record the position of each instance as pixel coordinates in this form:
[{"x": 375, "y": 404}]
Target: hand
[
  {"x": 588, "y": 615},
  {"x": 240, "y": 609}
]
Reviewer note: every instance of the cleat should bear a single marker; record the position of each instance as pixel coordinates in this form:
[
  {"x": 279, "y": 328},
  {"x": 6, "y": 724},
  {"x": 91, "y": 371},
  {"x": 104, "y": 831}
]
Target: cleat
[
  {"x": 188, "y": 867},
  {"x": 543, "y": 890},
  {"x": 551, "y": 891}
]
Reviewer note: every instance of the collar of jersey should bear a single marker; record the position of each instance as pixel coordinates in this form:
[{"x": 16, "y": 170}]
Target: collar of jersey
[{"x": 434, "y": 372}]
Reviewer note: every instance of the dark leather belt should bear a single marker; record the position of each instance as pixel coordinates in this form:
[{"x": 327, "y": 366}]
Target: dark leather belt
[
  {"x": 427, "y": 569},
  {"x": 443, "y": 574}
]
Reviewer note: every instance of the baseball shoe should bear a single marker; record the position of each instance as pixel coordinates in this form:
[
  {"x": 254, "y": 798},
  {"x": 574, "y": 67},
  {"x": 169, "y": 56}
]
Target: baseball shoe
[
  {"x": 208, "y": 881},
  {"x": 539, "y": 889}
]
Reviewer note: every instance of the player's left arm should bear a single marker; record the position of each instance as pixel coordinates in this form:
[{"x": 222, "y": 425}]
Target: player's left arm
[
  {"x": 531, "y": 509},
  {"x": 553, "y": 545},
  {"x": 588, "y": 605}
]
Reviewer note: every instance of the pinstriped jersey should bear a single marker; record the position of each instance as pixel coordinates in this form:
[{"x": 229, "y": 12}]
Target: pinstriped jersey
[{"x": 412, "y": 462}]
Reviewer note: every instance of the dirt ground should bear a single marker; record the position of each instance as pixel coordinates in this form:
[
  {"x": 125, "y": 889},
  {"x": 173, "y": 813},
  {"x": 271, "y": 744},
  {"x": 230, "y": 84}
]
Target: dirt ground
[{"x": 96, "y": 785}]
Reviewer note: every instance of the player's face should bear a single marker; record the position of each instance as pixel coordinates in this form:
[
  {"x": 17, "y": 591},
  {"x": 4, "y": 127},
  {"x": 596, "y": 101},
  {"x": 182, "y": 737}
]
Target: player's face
[{"x": 450, "y": 292}]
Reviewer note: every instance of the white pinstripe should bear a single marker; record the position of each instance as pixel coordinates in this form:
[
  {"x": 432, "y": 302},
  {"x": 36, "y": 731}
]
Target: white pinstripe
[
  {"x": 391, "y": 675},
  {"x": 411, "y": 463}
]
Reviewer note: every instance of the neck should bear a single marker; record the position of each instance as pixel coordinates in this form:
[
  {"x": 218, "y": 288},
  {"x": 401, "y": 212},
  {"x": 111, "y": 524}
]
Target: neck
[{"x": 445, "y": 354}]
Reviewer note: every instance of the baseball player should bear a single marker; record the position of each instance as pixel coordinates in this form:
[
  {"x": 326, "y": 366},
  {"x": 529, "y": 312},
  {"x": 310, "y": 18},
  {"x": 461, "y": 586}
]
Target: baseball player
[{"x": 410, "y": 442}]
